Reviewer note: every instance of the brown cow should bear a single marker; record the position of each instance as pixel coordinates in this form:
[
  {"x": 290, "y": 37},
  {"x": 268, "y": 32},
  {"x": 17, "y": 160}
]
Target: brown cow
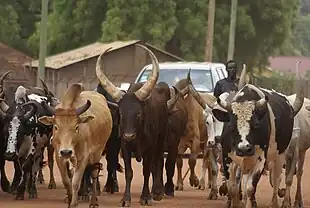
[
  {"x": 143, "y": 114},
  {"x": 82, "y": 125},
  {"x": 195, "y": 134}
]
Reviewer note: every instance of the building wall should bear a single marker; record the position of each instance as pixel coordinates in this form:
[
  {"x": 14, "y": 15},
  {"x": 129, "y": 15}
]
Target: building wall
[{"x": 121, "y": 65}]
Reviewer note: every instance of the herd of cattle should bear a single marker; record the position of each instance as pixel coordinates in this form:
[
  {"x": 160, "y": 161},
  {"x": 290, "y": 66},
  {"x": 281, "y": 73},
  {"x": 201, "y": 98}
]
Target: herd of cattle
[{"x": 243, "y": 134}]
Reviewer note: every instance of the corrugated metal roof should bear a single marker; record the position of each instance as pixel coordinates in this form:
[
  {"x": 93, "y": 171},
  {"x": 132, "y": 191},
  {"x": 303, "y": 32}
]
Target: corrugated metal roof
[
  {"x": 76, "y": 55},
  {"x": 80, "y": 54}
]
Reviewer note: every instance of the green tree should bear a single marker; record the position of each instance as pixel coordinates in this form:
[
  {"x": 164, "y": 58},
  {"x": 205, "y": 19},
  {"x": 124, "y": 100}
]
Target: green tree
[
  {"x": 71, "y": 24},
  {"x": 10, "y": 27},
  {"x": 151, "y": 21}
]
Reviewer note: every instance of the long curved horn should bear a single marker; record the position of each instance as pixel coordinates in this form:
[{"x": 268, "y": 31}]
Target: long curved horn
[
  {"x": 197, "y": 96},
  {"x": 145, "y": 91},
  {"x": 46, "y": 90},
  {"x": 83, "y": 108},
  {"x": 1, "y": 84},
  {"x": 32, "y": 111},
  {"x": 50, "y": 110},
  {"x": 263, "y": 101},
  {"x": 171, "y": 103},
  {"x": 242, "y": 77},
  {"x": 115, "y": 93},
  {"x": 300, "y": 94}
]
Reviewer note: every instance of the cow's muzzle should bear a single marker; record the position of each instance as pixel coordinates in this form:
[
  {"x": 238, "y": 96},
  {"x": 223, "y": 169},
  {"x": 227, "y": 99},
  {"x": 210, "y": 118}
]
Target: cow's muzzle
[
  {"x": 10, "y": 156},
  {"x": 66, "y": 153},
  {"x": 246, "y": 150},
  {"x": 129, "y": 136}
]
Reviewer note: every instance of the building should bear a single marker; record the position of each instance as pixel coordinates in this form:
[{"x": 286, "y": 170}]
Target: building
[
  {"x": 287, "y": 64},
  {"x": 122, "y": 63},
  {"x": 13, "y": 60}
]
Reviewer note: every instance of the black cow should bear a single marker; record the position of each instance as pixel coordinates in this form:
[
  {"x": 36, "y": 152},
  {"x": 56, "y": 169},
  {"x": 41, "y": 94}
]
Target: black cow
[
  {"x": 25, "y": 139},
  {"x": 143, "y": 112},
  {"x": 113, "y": 146},
  {"x": 258, "y": 131}
]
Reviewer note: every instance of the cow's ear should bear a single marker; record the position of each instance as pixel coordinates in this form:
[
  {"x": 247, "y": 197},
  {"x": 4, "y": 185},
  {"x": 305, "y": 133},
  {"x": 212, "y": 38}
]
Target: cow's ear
[
  {"x": 220, "y": 115},
  {"x": 114, "y": 112},
  {"x": 308, "y": 107},
  {"x": 47, "y": 120},
  {"x": 85, "y": 119}
]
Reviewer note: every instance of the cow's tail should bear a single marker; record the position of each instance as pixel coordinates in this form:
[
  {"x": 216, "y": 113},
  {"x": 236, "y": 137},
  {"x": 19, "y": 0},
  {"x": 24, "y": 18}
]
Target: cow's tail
[{"x": 120, "y": 168}]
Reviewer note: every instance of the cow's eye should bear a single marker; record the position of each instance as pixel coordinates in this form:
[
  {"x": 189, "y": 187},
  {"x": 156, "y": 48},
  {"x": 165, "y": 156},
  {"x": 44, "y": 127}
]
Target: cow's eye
[
  {"x": 55, "y": 127},
  {"x": 76, "y": 128}
]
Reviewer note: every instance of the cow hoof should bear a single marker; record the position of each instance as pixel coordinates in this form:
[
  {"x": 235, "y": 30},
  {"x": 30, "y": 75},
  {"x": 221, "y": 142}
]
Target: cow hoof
[
  {"x": 84, "y": 198},
  {"x": 33, "y": 195},
  {"x": 179, "y": 187},
  {"x": 52, "y": 185},
  {"x": 193, "y": 181},
  {"x": 158, "y": 196},
  {"x": 169, "y": 189},
  {"x": 19, "y": 197},
  {"x": 201, "y": 185},
  {"x": 281, "y": 192},
  {"x": 93, "y": 205},
  {"x": 213, "y": 195},
  {"x": 223, "y": 190},
  {"x": 125, "y": 203},
  {"x": 298, "y": 204},
  {"x": 146, "y": 202},
  {"x": 110, "y": 190}
]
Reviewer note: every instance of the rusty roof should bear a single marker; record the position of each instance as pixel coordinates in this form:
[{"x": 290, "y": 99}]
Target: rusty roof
[
  {"x": 89, "y": 51},
  {"x": 287, "y": 64},
  {"x": 12, "y": 59}
]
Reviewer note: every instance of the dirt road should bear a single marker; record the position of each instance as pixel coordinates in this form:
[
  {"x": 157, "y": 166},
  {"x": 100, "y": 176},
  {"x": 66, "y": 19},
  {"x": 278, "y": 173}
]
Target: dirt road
[{"x": 190, "y": 197}]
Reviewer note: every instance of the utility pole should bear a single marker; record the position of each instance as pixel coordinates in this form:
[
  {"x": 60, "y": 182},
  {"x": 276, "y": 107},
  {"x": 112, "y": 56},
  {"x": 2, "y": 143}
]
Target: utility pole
[
  {"x": 210, "y": 32},
  {"x": 43, "y": 41},
  {"x": 232, "y": 31}
]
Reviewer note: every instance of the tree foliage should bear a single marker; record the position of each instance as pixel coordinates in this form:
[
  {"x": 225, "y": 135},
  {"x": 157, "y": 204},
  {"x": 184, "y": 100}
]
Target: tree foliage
[{"x": 264, "y": 27}]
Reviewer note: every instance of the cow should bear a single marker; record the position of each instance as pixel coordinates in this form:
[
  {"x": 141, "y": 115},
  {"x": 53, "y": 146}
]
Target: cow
[
  {"x": 212, "y": 150},
  {"x": 194, "y": 137},
  {"x": 82, "y": 124},
  {"x": 112, "y": 148},
  {"x": 296, "y": 152},
  {"x": 143, "y": 112},
  {"x": 258, "y": 132},
  {"x": 5, "y": 184},
  {"x": 25, "y": 139}
]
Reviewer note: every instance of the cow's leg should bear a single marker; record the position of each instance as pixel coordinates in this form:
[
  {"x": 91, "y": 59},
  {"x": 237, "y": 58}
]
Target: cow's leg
[
  {"x": 298, "y": 197},
  {"x": 83, "y": 193},
  {"x": 179, "y": 161},
  {"x": 22, "y": 185},
  {"x": 277, "y": 166},
  {"x": 202, "y": 183},
  {"x": 40, "y": 175},
  {"x": 232, "y": 185},
  {"x": 126, "y": 200},
  {"x": 94, "y": 175},
  {"x": 193, "y": 180},
  {"x": 170, "y": 166},
  {"x": 146, "y": 198},
  {"x": 17, "y": 177},
  {"x": 290, "y": 168},
  {"x": 5, "y": 184},
  {"x": 113, "y": 148},
  {"x": 158, "y": 184},
  {"x": 50, "y": 158},
  {"x": 251, "y": 180},
  {"x": 212, "y": 166},
  {"x": 76, "y": 182},
  {"x": 65, "y": 177},
  {"x": 33, "y": 194}
]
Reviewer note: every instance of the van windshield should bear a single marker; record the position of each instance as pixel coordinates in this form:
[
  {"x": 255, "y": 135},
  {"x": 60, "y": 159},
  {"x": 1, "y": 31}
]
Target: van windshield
[{"x": 202, "y": 79}]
